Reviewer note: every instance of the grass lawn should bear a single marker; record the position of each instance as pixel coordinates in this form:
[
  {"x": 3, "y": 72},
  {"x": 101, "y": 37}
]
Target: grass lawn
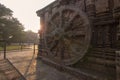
[
  {"x": 12, "y": 48},
  {"x": 1, "y": 48}
]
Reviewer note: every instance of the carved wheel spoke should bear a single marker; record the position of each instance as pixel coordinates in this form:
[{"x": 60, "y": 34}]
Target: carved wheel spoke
[
  {"x": 67, "y": 25},
  {"x": 54, "y": 45},
  {"x": 74, "y": 46}
]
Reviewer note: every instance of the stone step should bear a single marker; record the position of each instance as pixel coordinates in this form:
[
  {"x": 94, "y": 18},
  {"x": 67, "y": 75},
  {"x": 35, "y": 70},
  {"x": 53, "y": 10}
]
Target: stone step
[
  {"x": 109, "y": 50},
  {"x": 102, "y": 53},
  {"x": 100, "y": 61},
  {"x": 102, "y": 56}
]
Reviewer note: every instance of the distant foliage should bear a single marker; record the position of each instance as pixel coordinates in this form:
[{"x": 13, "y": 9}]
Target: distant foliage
[
  {"x": 30, "y": 37},
  {"x": 10, "y": 28}
]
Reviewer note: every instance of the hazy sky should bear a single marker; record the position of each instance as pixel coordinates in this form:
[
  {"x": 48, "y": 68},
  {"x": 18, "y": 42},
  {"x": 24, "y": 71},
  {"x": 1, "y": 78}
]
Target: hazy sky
[{"x": 25, "y": 11}]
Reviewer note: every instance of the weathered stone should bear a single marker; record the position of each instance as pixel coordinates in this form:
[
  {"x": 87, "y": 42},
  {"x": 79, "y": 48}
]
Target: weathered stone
[
  {"x": 116, "y": 3},
  {"x": 118, "y": 64},
  {"x": 91, "y": 27}
]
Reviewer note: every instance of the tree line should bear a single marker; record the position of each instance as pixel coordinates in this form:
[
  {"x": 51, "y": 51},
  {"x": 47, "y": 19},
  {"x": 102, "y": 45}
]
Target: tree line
[{"x": 12, "y": 30}]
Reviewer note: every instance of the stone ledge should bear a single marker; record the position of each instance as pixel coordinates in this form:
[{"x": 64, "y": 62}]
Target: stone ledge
[{"x": 77, "y": 73}]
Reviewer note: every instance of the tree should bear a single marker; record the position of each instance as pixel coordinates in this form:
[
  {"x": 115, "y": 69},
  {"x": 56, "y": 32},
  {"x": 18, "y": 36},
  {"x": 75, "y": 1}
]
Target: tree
[
  {"x": 10, "y": 27},
  {"x": 4, "y": 12},
  {"x": 30, "y": 37}
]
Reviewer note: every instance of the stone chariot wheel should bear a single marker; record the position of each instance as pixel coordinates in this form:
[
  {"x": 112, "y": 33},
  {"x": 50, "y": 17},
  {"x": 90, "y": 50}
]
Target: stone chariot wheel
[{"x": 68, "y": 35}]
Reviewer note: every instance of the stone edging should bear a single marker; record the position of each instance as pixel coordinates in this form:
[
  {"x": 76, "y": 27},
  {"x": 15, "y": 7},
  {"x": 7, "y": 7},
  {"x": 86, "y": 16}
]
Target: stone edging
[{"x": 77, "y": 73}]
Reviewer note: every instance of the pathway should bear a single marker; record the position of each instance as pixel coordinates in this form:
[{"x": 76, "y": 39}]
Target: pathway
[{"x": 34, "y": 69}]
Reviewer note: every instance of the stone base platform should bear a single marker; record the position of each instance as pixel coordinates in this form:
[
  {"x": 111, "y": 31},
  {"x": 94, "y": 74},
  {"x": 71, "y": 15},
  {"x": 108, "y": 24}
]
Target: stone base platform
[{"x": 80, "y": 74}]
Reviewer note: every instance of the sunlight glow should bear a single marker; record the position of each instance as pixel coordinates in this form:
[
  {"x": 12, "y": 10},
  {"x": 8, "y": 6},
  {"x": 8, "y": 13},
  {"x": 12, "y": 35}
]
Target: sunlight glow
[{"x": 25, "y": 11}]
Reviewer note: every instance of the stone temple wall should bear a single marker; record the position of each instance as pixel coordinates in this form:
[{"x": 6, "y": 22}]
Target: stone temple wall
[
  {"x": 118, "y": 64},
  {"x": 104, "y": 18}
]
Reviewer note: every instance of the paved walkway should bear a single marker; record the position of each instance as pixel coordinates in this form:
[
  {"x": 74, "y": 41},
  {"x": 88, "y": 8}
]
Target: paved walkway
[
  {"x": 2, "y": 76},
  {"x": 8, "y": 71},
  {"x": 34, "y": 69},
  {"x": 41, "y": 71}
]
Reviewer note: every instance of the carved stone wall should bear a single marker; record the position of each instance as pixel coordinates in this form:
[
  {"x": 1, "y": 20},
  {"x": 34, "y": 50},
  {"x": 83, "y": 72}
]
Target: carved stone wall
[
  {"x": 118, "y": 64},
  {"x": 116, "y": 3},
  {"x": 104, "y": 33},
  {"x": 101, "y": 5}
]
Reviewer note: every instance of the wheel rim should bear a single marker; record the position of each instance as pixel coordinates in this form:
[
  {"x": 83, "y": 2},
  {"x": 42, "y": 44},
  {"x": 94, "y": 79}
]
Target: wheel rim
[{"x": 68, "y": 35}]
